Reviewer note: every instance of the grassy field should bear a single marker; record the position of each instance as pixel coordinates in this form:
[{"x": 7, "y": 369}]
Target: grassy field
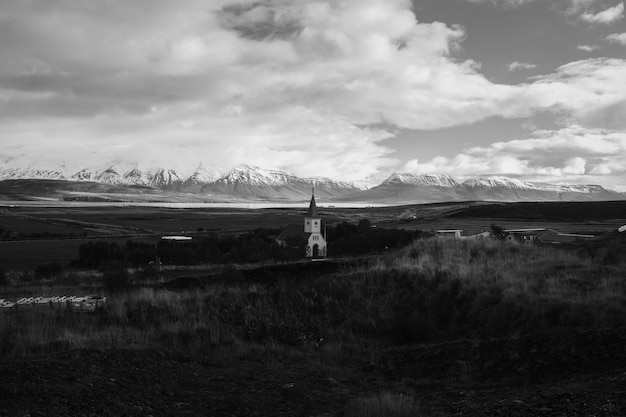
[
  {"x": 432, "y": 290},
  {"x": 50, "y": 234},
  {"x": 441, "y": 296}
]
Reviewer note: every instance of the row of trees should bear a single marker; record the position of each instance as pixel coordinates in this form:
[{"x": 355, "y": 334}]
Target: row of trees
[
  {"x": 364, "y": 238},
  {"x": 345, "y": 239},
  {"x": 256, "y": 246}
]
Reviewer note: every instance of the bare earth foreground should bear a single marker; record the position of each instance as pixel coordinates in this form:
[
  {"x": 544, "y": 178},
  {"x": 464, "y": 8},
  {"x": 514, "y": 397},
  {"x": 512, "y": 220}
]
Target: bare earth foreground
[{"x": 557, "y": 375}]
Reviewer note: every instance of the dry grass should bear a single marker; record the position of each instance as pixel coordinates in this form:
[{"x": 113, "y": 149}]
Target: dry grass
[
  {"x": 386, "y": 404},
  {"x": 432, "y": 290}
]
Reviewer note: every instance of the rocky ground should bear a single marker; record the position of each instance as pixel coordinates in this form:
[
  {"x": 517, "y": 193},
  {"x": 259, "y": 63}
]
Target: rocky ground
[{"x": 581, "y": 374}]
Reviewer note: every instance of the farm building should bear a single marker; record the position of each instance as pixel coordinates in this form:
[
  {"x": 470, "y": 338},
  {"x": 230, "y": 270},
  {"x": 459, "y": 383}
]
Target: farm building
[
  {"x": 452, "y": 233},
  {"x": 460, "y": 234},
  {"x": 554, "y": 237},
  {"x": 540, "y": 235},
  {"x": 525, "y": 236}
]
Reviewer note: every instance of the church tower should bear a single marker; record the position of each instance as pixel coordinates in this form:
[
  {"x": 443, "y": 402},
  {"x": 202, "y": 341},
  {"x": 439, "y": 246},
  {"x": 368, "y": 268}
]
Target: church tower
[{"x": 316, "y": 247}]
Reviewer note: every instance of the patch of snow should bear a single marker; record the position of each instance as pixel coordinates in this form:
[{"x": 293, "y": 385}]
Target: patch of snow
[
  {"x": 422, "y": 179},
  {"x": 500, "y": 182}
]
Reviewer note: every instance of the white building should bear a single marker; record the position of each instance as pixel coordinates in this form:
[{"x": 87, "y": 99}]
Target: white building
[{"x": 313, "y": 232}]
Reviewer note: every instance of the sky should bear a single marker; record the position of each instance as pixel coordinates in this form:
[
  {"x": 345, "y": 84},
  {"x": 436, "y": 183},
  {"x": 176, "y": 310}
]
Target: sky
[{"x": 348, "y": 89}]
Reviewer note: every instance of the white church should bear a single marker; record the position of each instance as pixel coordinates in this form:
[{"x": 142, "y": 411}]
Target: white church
[{"x": 312, "y": 231}]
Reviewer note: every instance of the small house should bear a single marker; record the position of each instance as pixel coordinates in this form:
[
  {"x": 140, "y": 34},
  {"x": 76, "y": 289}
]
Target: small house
[{"x": 452, "y": 233}]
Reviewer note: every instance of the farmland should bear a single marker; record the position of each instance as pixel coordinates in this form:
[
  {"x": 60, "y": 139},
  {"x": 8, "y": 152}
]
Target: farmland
[{"x": 33, "y": 235}]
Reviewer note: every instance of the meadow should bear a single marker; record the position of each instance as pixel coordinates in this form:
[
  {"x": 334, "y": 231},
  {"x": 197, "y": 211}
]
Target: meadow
[
  {"x": 36, "y": 235},
  {"x": 432, "y": 290},
  {"x": 432, "y": 293}
]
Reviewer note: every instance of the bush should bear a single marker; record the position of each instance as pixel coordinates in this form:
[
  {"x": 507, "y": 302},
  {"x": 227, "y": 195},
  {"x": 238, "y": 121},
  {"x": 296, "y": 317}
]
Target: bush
[
  {"x": 116, "y": 278},
  {"x": 48, "y": 271}
]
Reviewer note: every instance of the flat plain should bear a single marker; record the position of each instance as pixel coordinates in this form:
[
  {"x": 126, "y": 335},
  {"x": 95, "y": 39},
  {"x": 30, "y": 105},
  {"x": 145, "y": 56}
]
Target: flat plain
[{"x": 35, "y": 235}]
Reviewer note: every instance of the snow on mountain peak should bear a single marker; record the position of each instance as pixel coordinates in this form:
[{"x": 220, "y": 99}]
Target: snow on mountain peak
[
  {"x": 422, "y": 179},
  {"x": 253, "y": 175},
  {"x": 499, "y": 182},
  {"x": 204, "y": 175}
]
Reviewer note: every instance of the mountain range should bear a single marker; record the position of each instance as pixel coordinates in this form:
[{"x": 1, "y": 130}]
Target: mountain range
[
  {"x": 250, "y": 183},
  {"x": 428, "y": 188}
]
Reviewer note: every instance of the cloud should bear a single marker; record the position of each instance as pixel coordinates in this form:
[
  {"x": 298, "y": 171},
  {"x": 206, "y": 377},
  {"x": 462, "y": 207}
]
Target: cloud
[
  {"x": 617, "y": 38},
  {"x": 588, "y": 91},
  {"x": 580, "y": 8},
  {"x": 303, "y": 86},
  {"x": 607, "y": 16},
  {"x": 502, "y": 3},
  {"x": 588, "y": 48},
  {"x": 270, "y": 83},
  {"x": 569, "y": 154},
  {"x": 516, "y": 66}
]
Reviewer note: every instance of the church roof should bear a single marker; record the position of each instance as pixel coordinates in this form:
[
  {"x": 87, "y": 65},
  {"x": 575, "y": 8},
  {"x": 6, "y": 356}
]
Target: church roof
[
  {"x": 293, "y": 231},
  {"x": 312, "y": 212}
]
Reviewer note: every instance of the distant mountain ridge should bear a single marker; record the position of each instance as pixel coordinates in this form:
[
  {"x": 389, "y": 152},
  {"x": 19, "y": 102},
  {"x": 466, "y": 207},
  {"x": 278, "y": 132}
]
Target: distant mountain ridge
[
  {"x": 430, "y": 188},
  {"x": 247, "y": 182},
  {"x": 244, "y": 181}
]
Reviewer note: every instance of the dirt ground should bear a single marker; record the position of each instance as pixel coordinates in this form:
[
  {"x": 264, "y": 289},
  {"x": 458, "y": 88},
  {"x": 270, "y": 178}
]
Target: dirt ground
[{"x": 580, "y": 374}]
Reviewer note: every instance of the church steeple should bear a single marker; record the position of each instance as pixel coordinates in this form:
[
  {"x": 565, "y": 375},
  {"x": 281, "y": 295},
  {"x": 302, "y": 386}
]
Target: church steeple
[
  {"x": 312, "y": 212},
  {"x": 316, "y": 243}
]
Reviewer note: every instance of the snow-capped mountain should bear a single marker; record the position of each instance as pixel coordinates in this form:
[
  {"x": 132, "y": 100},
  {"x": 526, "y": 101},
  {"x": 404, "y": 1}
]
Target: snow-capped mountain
[
  {"x": 496, "y": 182},
  {"x": 428, "y": 188},
  {"x": 129, "y": 173},
  {"x": 254, "y": 182},
  {"x": 247, "y": 182},
  {"x": 243, "y": 182},
  {"x": 431, "y": 180},
  {"x": 20, "y": 167},
  {"x": 413, "y": 188},
  {"x": 508, "y": 189}
]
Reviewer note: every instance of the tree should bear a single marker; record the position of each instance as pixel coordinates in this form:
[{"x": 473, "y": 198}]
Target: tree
[
  {"x": 497, "y": 231},
  {"x": 116, "y": 277}
]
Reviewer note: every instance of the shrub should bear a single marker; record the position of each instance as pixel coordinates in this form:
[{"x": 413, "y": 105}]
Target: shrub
[
  {"x": 48, "y": 271},
  {"x": 116, "y": 278}
]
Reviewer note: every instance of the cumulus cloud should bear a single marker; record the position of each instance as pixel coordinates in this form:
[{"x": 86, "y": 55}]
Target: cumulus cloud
[
  {"x": 607, "y": 16},
  {"x": 582, "y": 9},
  {"x": 588, "y": 48},
  {"x": 272, "y": 82},
  {"x": 617, "y": 38},
  {"x": 303, "y": 86},
  {"x": 567, "y": 154},
  {"x": 516, "y": 66},
  {"x": 505, "y": 3}
]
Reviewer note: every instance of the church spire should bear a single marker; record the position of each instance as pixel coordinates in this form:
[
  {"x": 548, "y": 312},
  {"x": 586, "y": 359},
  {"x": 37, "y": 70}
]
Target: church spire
[{"x": 312, "y": 207}]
